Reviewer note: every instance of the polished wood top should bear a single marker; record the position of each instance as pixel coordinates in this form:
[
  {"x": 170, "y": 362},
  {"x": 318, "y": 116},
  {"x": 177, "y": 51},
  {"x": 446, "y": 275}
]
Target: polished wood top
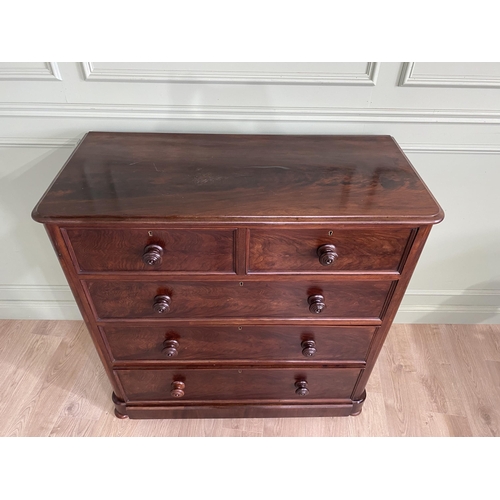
[{"x": 237, "y": 178}]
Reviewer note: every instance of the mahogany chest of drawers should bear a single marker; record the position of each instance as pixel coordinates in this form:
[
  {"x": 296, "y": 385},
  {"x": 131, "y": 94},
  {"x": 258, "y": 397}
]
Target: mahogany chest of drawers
[{"x": 237, "y": 275}]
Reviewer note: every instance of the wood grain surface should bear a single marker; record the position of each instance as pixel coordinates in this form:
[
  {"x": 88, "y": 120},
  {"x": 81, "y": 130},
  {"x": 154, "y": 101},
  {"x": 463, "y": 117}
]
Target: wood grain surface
[
  {"x": 185, "y": 250},
  {"x": 196, "y": 177},
  {"x": 239, "y": 344},
  {"x": 252, "y": 385},
  {"x": 295, "y": 250},
  {"x": 430, "y": 380},
  {"x": 238, "y": 299}
]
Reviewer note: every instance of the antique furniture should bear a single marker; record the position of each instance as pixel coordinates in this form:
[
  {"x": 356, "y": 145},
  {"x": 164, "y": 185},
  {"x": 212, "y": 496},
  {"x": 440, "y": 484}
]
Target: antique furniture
[{"x": 237, "y": 275}]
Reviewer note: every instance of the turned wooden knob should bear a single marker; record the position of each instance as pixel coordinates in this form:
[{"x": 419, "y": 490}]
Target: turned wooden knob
[
  {"x": 170, "y": 348},
  {"x": 308, "y": 348},
  {"x": 316, "y": 303},
  {"x": 161, "y": 304},
  {"x": 327, "y": 254},
  {"x": 302, "y": 389},
  {"x": 152, "y": 255},
  {"x": 177, "y": 389}
]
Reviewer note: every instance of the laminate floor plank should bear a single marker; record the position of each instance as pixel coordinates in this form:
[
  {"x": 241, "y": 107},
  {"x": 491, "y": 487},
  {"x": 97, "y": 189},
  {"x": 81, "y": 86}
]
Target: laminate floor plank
[
  {"x": 374, "y": 382},
  {"x": 61, "y": 373},
  {"x": 405, "y": 417},
  {"x": 492, "y": 413},
  {"x": 12, "y": 336},
  {"x": 161, "y": 428},
  {"x": 429, "y": 380},
  {"x": 434, "y": 369},
  {"x": 90, "y": 392},
  {"x": 287, "y": 427},
  {"x": 252, "y": 426},
  {"x": 71, "y": 427},
  {"x": 493, "y": 346},
  {"x": 24, "y": 362},
  {"x": 215, "y": 428},
  {"x": 151, "y": 428},
  {"x": 443, "y": 425},
  {"x": 110, "y": 426},
  {"x": 401, "y": 389},
  {"x": 372, "y": 422},
  {"x": 474, "y": 380}
]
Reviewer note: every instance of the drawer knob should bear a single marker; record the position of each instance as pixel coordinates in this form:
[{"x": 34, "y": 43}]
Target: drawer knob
[
  {"x": 177, "y": 389},
  {"x": 327, "y": 254},
  {"x": 170, "y": 348},
  {"x": 301, "y": 388},
  {"x": 152, "y": 255},
  {"x": 161, "y": 304},
  {"x": 316, "y": 303},
  {"x": 308, "y": 348}
]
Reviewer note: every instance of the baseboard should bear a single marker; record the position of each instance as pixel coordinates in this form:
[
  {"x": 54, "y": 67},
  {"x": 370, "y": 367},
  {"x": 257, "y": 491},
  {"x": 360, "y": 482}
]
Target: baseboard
[
  {"x": 450, "y": 307},
  {"x": 38, "y": 302},
  {"x": 442, "y": 314},
  {"x": 39, "y": 310}
]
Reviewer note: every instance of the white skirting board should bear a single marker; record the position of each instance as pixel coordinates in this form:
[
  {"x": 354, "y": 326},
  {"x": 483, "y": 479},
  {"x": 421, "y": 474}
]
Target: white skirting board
[
  {"x": 418, "y": 306},
  {"x": 447, "y": 315},
  {"x": 38, "y": 302}
]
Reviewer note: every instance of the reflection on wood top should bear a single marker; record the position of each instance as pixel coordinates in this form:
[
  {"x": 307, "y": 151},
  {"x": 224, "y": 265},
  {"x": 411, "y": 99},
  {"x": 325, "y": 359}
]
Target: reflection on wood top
[{"x": 237, "y": 178}]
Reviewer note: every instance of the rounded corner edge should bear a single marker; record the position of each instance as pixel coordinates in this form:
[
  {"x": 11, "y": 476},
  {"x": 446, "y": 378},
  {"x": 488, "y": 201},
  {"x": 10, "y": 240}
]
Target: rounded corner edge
[
  {"x": 36, "y": 216},
  {"x": 438, "y": 217}
]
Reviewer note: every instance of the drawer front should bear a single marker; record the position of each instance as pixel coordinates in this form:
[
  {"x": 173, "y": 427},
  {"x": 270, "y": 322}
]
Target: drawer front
[
  {"x": 238, "y": 343},
  {"x": 175, "y": 250},
  {"x": 238, "y": 384},
  {"x": 249, "y": 299},
  {"x": 311, "y": 251}
]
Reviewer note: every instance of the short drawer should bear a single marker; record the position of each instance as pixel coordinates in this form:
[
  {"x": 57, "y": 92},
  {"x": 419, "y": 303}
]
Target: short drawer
[
  {"x": 233, "y": 299},
  {"x": 173, "y": 250},
  {"x": 285, "y": 384},
  {"x": 243, "y": 343},
  {"x": 318, "y": 251}
]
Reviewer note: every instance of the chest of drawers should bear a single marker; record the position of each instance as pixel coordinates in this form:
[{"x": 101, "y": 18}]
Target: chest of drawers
[{"x": 237, "y": 275}]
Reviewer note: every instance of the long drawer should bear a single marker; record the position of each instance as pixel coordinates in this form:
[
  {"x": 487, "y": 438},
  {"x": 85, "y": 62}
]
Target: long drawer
[
  {"x": 323, "y": 251},
  {"x": 284, "y": 384},
  {"x": 248, "y": 343},
  {"x": 173, "y": 250},
  {"x": 233, "y": 299}
]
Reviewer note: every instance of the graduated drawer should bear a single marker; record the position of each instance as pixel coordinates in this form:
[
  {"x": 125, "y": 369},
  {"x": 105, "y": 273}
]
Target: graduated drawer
[
  {"x": 233, "y": 299},
  {"x": 308, "y": 250},
  {"x": 238, "y": 343},
  {"x": 173, "y": 250},
  {"x": 238, "y": 384}
]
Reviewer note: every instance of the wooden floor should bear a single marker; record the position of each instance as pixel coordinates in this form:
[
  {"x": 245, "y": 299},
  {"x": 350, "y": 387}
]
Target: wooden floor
[{"x": 430, "y": 380}]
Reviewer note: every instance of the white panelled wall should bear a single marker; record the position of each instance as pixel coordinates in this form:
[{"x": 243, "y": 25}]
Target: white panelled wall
[{"x": 446, "y": 116}]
